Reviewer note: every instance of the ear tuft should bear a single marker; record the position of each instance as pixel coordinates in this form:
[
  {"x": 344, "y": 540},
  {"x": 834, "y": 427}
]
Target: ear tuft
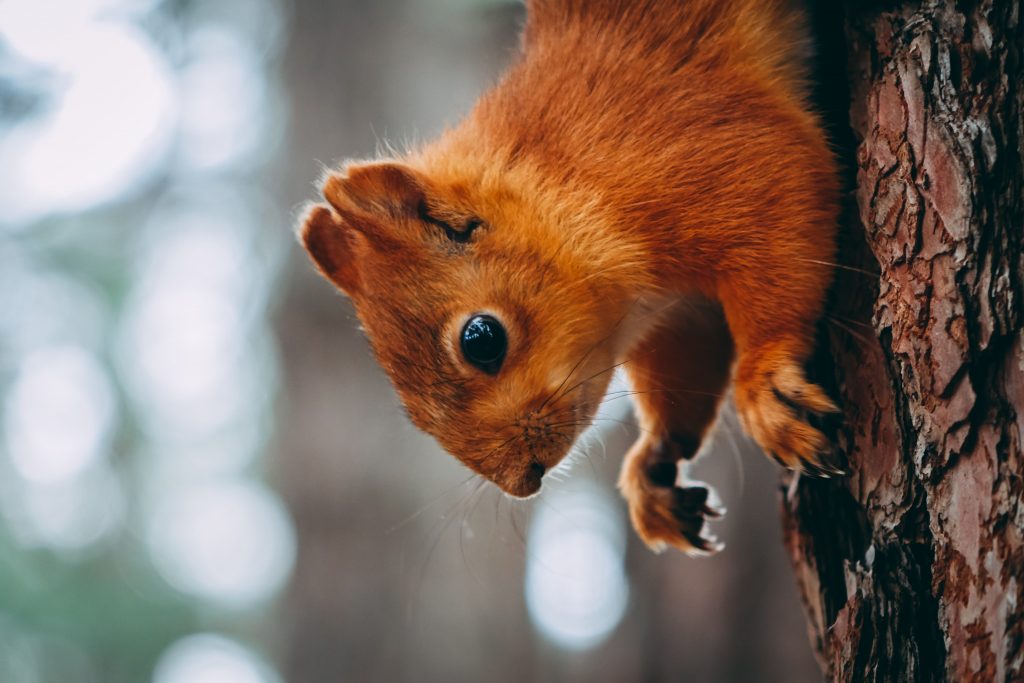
[{"x": 330, "y": 243}]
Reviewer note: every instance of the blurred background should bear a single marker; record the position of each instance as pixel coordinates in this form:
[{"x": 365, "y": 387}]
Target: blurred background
[{"x": 204, "y": 477}]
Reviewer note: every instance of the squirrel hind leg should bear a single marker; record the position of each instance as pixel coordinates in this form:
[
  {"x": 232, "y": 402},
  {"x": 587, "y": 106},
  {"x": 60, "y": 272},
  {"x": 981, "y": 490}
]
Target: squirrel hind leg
[{"x": 772, "y": 312}]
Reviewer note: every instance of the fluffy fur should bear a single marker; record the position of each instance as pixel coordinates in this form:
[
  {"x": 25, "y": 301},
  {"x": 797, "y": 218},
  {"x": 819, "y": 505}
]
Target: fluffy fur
[{"x": 646, "y": 187}]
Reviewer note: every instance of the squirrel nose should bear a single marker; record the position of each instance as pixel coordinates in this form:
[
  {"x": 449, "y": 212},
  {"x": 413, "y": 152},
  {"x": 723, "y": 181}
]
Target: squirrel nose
[{"x": 530, "y": 482}]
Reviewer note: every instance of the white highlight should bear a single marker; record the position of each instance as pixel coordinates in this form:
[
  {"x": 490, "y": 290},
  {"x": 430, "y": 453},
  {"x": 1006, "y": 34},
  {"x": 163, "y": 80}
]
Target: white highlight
[
  {"x": 59, "y": 414},
  {"x": 71, "y": 515},
  {"x": 40, "y": 307},
  {"x": 210, "y": 658},
  {"x": 224, "y": 101},
  {"x": 188, "y": 352},
  {"x": 110, "y": 122},
  {"x": 617, "y": 403},
  {"x": 576, "y": 588},
  {"x": 229, "y": 542}
]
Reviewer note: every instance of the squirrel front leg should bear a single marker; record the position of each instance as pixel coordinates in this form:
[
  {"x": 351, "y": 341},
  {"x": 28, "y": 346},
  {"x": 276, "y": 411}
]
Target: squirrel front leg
[{"x": 679, "y": 374}]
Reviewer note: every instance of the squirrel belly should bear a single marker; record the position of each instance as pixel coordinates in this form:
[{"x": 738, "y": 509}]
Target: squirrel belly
[{"x": 637, "y": 152}]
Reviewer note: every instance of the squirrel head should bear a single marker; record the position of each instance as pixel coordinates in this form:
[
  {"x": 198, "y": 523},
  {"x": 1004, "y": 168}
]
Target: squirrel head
[{"x": 496, "y": 320}]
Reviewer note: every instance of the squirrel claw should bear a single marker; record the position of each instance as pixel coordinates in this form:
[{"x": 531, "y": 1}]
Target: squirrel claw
[
  {"x": 821, "y": 469},
  {"x": 776, "y": 408},
  {"x": 676, "y": 516},
  {"x": 704, "y": 545}
]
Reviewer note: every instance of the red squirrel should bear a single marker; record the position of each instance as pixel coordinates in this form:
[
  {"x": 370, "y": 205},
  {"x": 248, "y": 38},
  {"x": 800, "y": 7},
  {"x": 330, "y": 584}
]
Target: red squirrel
[{"x": 648, "y": 188}]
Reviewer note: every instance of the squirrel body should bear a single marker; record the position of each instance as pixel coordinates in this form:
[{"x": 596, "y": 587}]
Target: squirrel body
[{"x": 647, "y": 188}]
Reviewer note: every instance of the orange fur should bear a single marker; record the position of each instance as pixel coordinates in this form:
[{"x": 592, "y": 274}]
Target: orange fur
[{"x": 647, "y": 186}]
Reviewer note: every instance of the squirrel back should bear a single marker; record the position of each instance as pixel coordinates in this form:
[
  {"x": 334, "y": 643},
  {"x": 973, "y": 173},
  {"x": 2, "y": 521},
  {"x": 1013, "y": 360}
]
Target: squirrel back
[
  {"x": 766, "y": 34},
  {"x": 634, "y": 111}
]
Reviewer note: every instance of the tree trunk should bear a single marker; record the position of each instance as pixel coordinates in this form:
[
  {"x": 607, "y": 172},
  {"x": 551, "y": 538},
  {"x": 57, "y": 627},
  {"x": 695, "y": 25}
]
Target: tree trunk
[{"x": 912, "y": 568}]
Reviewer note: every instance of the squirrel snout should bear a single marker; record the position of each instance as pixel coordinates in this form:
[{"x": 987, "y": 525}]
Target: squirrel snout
[{"x": 527, "y": 482}]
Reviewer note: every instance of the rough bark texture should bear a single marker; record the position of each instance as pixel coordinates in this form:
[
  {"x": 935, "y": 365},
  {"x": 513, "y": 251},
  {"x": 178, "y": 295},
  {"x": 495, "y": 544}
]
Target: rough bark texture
[{"x": 912, "y": 568}]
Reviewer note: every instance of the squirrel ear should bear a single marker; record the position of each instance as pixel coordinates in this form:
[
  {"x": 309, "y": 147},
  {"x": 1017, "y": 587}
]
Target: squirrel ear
[
  {"x": 331, "y": 244},
  {"x": 384, "y": 188},
  {"x": 362, "y": 204}
]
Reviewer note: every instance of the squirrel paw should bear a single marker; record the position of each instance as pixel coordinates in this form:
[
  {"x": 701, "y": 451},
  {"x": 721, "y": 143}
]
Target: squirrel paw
[
  {"x": 775, "y": 408},
  {"x": 674, "y": 516}
]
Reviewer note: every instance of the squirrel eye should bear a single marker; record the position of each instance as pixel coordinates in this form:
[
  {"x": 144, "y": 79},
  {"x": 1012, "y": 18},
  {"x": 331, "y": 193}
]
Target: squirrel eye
[{"x": 484, "y": 343}]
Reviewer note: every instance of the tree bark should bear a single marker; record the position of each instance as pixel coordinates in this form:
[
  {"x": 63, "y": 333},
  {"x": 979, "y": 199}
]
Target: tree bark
[{"x": 912, "y": 567}]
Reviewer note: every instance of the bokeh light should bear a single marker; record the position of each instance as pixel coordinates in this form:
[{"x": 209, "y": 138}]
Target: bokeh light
[
  {"x": 230, "y": 542},
  {"x": 42, "y": 307},
  {"x": 108, "y": 124},
  {"x": 261, "y": 24},
  {"x": 73, "y": 514},
  {"x": 137, "y": 368},
  {"x": 576, "y": 588},
  {"x": 224, "y": 102},
  {"x": 192, "y": 353},
  {"x": 59, "y": 414},
  {"x": 211, "y": 658}
]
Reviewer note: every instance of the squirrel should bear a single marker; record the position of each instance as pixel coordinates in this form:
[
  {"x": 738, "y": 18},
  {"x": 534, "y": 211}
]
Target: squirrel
[{"x": 647, "y": 187}]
